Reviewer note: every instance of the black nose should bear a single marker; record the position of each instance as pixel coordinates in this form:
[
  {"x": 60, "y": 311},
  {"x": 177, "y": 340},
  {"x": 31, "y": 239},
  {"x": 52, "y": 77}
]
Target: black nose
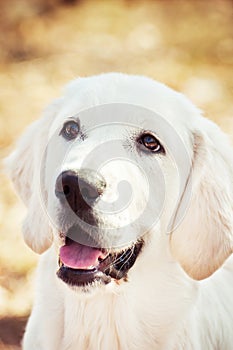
[{"x": 81, "y": 190}]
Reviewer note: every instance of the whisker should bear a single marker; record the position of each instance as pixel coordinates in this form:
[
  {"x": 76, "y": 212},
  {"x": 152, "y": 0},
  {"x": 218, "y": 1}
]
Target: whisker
[
  {"x": 130, "y": 255},
  {"x": 113, "y": 262}
]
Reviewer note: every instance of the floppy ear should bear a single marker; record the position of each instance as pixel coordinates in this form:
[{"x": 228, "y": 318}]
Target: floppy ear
[
  {"x": 24, "y": 166},
  {"x": 204, "y": 239}
]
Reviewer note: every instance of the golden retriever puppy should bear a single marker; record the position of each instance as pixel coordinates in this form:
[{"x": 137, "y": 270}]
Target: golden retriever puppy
[{"x": 129, "y": 191}]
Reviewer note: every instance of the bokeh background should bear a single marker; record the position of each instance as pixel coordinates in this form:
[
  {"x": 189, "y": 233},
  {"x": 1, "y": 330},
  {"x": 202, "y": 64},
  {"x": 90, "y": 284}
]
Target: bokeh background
[{"x": 45, "y": 43}]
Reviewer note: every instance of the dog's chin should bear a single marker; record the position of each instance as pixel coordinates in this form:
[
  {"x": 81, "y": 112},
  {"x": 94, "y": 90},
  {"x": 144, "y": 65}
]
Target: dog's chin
[{"x": 112, "y": 267}]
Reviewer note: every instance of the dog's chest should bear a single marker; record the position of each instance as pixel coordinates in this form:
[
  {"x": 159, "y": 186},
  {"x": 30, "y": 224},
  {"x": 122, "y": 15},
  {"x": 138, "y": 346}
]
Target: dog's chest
[{"x": 103, "y": 325}]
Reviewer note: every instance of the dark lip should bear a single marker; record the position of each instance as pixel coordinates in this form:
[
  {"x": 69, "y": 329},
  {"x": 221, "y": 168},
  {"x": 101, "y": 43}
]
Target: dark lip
[
  {"x": 114, "y": 266},
  {"x": 81, "y": 278}
]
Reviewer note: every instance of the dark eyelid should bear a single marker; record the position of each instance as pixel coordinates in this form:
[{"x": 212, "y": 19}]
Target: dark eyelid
[
  {"x": 149, "y": 132},
  {"x": 146, "y": 131}
]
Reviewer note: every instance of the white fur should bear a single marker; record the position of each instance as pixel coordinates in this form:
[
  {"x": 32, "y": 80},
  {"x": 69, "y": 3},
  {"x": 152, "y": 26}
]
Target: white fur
[{"x": 179, "y": 292}]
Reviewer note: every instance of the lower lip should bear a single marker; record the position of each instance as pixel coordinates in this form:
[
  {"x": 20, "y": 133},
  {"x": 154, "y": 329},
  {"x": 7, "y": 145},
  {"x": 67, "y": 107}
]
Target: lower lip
[{"x": 78, "y": 277}]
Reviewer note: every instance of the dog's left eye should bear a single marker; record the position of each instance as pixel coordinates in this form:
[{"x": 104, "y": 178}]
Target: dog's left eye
[
  {"x": 70, "y": 130},
  {"x": 151, "y": 143}
]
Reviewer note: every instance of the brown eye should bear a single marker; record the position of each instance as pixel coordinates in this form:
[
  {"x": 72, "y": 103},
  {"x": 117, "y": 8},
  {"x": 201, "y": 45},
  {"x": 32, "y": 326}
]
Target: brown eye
[
  {"x": 151, "y": 143},
  {"x": 70, "y": 130}
]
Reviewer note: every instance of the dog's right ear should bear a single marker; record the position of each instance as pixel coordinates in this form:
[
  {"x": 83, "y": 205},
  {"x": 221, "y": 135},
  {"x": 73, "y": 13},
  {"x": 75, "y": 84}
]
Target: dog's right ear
[{"x": 23, "y": 166}]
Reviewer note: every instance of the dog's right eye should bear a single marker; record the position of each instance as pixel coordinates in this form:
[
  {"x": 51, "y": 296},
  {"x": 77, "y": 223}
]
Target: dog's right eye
[{"x": 70, "y": 130}]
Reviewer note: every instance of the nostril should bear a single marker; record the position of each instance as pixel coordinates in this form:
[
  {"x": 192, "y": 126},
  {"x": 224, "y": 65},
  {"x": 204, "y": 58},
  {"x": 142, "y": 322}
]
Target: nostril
[
  {"x": 64, "y": 185},
  {"x": 89, "y": 193},
  {"x": 66, "y": 190}
]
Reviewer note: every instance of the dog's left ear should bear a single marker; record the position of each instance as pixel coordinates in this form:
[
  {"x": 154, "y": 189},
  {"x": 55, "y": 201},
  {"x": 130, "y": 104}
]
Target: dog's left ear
[{"x": 204, "y": 239}]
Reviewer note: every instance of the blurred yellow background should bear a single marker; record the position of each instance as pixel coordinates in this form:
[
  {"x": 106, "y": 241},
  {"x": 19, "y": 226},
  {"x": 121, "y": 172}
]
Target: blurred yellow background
[{"x": 43, "y": 44}]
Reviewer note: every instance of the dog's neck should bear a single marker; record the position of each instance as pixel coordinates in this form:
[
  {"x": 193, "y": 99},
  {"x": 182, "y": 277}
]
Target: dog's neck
[{"x": 113, "y": 312}]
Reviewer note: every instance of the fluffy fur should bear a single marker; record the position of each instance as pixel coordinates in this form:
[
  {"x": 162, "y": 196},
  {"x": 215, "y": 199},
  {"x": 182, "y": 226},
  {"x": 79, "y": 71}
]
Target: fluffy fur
[{"x": 179, "y": 292}]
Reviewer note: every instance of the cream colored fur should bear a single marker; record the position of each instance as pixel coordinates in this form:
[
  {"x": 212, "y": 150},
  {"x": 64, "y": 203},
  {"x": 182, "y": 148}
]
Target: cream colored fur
[{"x": 179, "y": 293}]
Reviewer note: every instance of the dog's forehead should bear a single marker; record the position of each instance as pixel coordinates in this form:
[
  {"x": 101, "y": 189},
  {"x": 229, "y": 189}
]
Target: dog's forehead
[
  {"x": 120, "y": 117},
  {"x": 115, "y": 98},
  {"x": 110, "y": 130}
]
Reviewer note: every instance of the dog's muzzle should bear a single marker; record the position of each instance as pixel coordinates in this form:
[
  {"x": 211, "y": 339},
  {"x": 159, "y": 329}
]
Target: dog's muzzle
[{"x": 84, "y": 263}]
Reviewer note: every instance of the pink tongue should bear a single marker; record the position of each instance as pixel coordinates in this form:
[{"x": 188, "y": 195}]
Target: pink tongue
[{"x": 78, "y": 256}]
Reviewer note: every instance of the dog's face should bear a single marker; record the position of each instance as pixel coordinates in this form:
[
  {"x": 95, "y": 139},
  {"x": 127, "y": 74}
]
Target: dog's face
[
  {"x": 121, "y": 165},
  {"x": 106, "y": 187}
]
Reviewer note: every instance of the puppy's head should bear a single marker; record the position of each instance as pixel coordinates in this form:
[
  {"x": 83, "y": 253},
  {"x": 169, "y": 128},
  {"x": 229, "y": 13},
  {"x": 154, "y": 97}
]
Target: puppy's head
[{"x": 117, "y": 163}]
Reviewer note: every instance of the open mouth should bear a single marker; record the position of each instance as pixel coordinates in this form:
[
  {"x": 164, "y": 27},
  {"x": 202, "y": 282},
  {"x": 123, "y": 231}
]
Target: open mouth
[{"x": 81, "y": 265}]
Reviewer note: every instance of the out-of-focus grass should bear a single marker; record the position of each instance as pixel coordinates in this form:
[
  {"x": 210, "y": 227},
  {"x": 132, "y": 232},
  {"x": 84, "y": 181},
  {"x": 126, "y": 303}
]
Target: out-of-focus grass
[{"x": 186, "y": 44}]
